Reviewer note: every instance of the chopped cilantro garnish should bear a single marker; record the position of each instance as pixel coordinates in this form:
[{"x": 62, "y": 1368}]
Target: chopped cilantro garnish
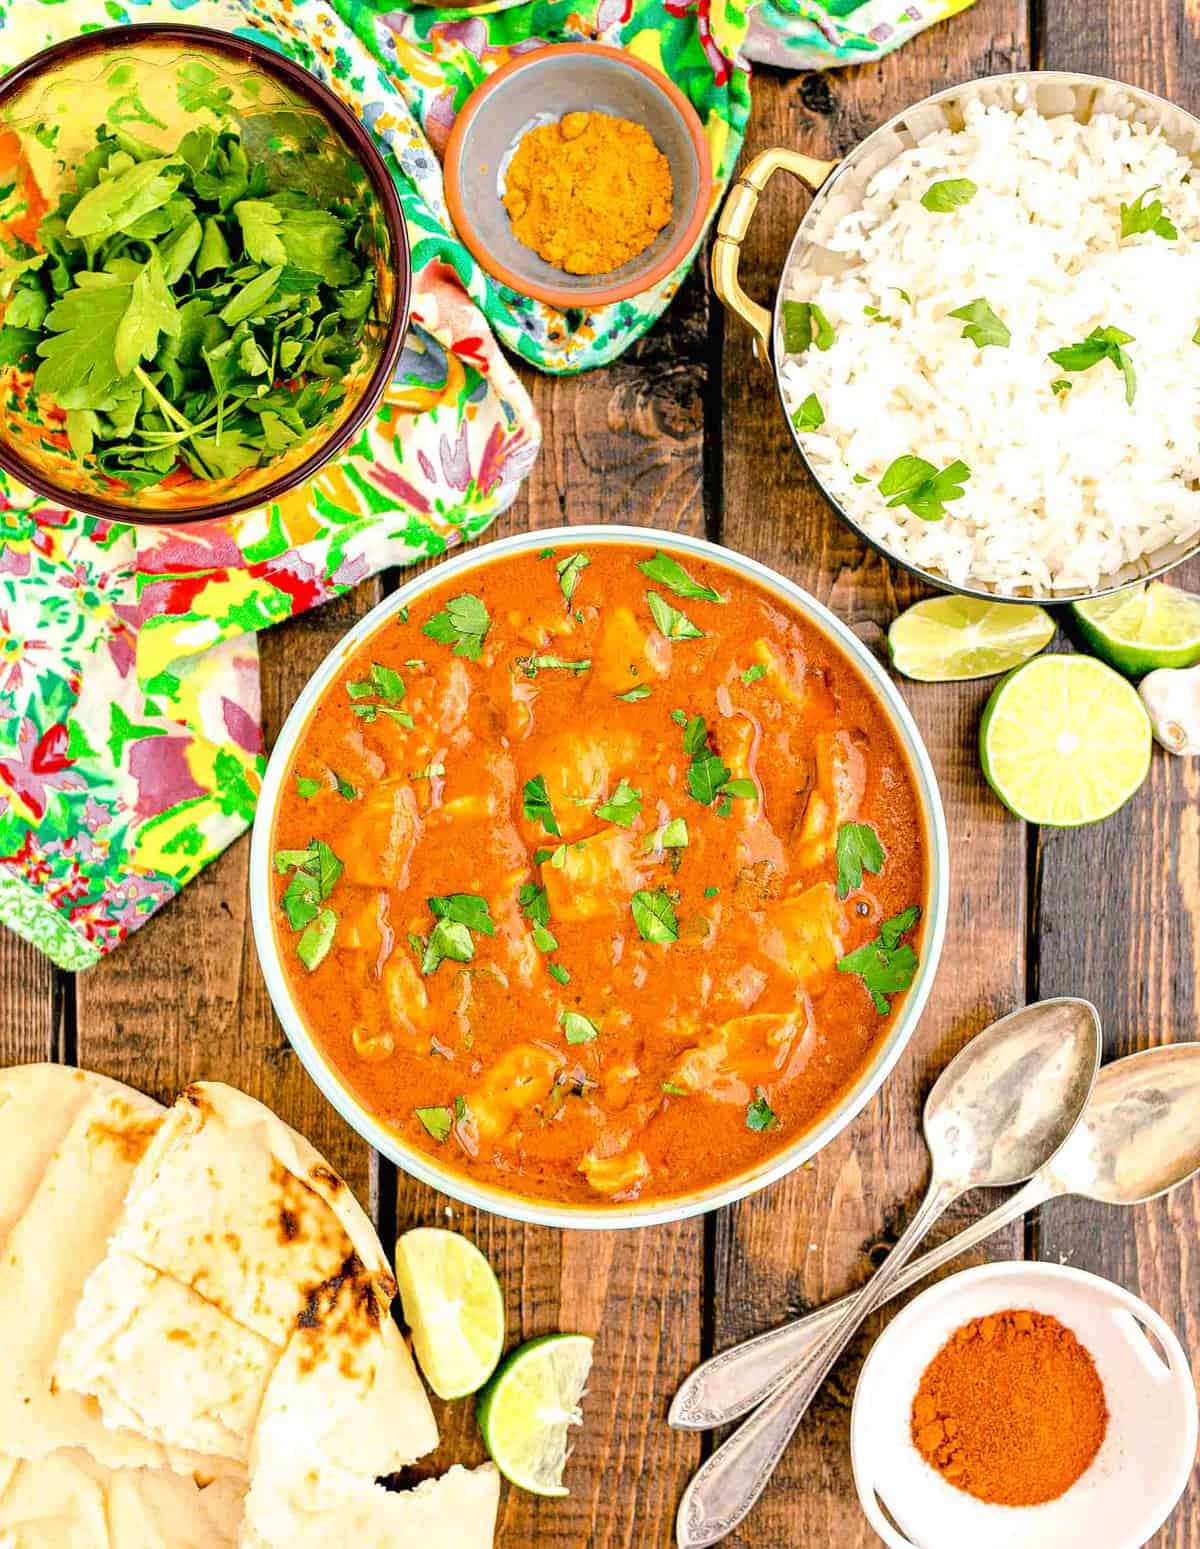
[
  {"x": 344, "y": 789},
  {"x": 378, "y": 694},
  {"x": 679, "y": 717},
  {"x": 463, "y": 623},
  {"x": 654, "y": 915},
  {"x": 306, "y": 787},
  {"x": 1060, "y": 385},
  {"x": 464, "y": 909},
  {"x": 670, "y": 573},
  {"x": 711, "y": 892},
  {"x": 1140, "y": 216},
  {"x": 578, "y": 1028},
  {"x": 675, "y": 1091},
  {"x": 752, "y": 673},
  {"x": 315, "y": 872},
  {"x": 545, "y": 554},
  {"x": 316, "y": 939},
  {"x": 671, "y": 836},
  {"x": 803, "y": 324},
  {"x": 438, "y": 1121},
  {"x": 535, "y": 803},
  {"x": 885, "y": 965},
  {"x": 532, "y": 665},
  {"x": 917, "y": 484},
  {"x": 569, "y": 571},
  {"x": 674, "y": 624},
  {"x": 456, "y": 915},
  {"x": 622, "y": 807},
  {"x": 858, "y": 850},
  {"x": 1101, "y": 344},
  {"x": 708, "y": 777},
  {"x": 557, "y": 971},
  {"x": 460, "y": 1109},
  {"x": 983, "y": 327},
  {"x": 810, "y": 415},
  {"x": 759, "y": 1116},
  {"x": 950, "y": 194},
  {"x": 638, "y": 691}
]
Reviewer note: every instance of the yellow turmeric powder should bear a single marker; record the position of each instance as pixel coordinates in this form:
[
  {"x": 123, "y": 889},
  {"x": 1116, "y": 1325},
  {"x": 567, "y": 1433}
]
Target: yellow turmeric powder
[{"x": 589, "y": 192}]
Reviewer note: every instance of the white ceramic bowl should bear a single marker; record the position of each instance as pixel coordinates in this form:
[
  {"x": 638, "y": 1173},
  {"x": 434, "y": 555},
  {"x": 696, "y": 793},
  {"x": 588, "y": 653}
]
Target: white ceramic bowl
[
  {"x": 457, "y": 1185},
  {"x": 1143, "y": 1464}
]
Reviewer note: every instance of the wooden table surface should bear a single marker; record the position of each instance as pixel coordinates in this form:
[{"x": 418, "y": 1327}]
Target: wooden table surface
[{"x": 685, "y": 434}]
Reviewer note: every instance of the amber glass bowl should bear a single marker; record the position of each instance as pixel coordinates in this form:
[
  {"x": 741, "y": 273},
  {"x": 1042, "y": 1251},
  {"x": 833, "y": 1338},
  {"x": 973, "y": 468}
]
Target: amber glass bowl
[{"x": 158, "y": 82}]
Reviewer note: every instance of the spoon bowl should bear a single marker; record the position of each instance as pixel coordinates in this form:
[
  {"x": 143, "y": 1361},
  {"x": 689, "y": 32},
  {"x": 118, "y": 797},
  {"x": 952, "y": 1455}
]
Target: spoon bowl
[{"x": 1006, "y": 1104}]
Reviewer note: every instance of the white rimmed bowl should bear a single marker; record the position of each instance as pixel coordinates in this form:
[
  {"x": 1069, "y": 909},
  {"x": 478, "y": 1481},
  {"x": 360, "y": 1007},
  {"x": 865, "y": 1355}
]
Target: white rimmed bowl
[
  {"x": 502, "y": 1202},
  {"x": 1144, "y": 1461}
]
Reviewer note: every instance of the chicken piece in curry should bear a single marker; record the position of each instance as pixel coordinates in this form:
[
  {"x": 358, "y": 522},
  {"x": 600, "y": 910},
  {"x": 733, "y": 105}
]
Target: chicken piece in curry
[{"x": 600, "y": 874}]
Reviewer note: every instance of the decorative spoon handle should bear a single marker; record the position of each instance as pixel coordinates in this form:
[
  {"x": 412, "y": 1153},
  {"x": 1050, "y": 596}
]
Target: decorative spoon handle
[
  {"x": 734, "y": 1382},
  {"x": 727, "y": 1486}
]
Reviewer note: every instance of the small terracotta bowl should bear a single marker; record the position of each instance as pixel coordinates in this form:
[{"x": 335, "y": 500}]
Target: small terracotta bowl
[{"x": 542, "y": 86}]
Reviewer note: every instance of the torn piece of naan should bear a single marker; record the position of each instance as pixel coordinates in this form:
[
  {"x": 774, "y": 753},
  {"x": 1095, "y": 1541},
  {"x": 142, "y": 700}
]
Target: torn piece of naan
[
  {"x": 233, "y": 1203},
  {"x": 60, "y": 1236},
  {"x": 164, "y": 1362},
  {"x": 344, "y": 1408},
  {"x": 38, "y": 1104},
  {"x": 68, "y": 1501}
]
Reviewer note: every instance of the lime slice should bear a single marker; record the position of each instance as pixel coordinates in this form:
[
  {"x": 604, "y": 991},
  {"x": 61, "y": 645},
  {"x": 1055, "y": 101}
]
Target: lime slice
[
  {"x": 1142, "y": 629},
  {"x": 527, "y": 1409},
  {"x": 948, "y": 639},
  {"x": 452, "y": 1304},
  {"x": 1065, "y": 740}
]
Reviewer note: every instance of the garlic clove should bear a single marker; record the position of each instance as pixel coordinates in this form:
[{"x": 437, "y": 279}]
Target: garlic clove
[{"x": 1172, "y": 698}]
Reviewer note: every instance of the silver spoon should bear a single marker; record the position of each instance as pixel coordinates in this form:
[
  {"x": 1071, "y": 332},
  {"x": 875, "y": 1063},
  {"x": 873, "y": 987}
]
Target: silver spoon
[
  {"x": 994, "y": 1115},
  {"x": 1138, "y": 1137}
]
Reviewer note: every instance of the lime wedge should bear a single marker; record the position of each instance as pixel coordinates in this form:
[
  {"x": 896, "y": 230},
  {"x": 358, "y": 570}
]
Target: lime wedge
[
  {"x": 526, "y": 1411},
  {"x": 949, "y": 639},
  {"x": 452, "y": 1304},
  {"x": 1065, "y": 740},
  {"x": 1140, "y": 630}
]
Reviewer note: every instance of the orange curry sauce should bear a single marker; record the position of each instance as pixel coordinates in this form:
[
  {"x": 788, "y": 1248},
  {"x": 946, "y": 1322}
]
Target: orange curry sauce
[{"x": 647, "y": 1001}]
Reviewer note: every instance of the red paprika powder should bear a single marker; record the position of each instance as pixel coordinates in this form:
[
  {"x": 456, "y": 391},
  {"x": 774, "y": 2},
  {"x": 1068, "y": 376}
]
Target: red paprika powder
[{"x": 1011, "y": 1409}]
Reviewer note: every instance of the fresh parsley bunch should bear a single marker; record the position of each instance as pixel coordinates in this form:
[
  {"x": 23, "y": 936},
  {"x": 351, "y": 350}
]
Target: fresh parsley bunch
[{"x": 194, "y": 310}]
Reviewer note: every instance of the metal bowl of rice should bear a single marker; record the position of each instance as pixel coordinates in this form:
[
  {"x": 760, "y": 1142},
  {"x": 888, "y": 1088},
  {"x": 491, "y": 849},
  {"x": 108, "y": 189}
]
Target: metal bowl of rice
[{"x": 986, "y": 336}]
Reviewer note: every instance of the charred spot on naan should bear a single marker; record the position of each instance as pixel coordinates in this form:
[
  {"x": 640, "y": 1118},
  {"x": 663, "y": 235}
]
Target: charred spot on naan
[{"x": 128, "y": 1134}]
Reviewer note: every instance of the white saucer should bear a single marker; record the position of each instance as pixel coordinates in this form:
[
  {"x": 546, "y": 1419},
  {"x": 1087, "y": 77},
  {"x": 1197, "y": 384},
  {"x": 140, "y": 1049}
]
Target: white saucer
[{"x": 1139, "y": 1473}]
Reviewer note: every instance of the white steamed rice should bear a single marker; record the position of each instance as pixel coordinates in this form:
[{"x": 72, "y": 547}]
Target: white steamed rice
[{"x": 1063, "y": 490}]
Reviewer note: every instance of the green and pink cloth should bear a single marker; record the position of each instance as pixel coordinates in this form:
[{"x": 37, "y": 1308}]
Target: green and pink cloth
[{"x": 131, "y": 747}]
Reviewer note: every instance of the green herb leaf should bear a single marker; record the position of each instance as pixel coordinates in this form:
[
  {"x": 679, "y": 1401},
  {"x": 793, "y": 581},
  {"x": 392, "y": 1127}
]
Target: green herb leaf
[
  {"x": 671, "y": 836},
  {"x": 858, "y": 850},
  {"x": 654, "y": 915},
  {"x": 675, "y": 1091},
  {"x": 752, "y": 673},
  {"x": 344, "y": 788},
  {"x": 532, "y": 665},
  {"x": 670, "y": 573},
  {"x": 622, "y": 807},
  {"x": 578, "y": 1028},
  {"x": 534, "y": 902},
  {"x": 915, "y": 483},
  {"x": 638, "y": 691},
  {"x": 950, "y": 194},
  {"x": 535, "y": 803},
  {"x": 674, "y": 624},
  {"x": 885, "y": 966},
  {"x": 983, "y": 327},
  {"x": 810, "y": 415},
  {"x": 803, "y": 324},
  {"x": 569, "y": 571},
  {"x": 464, "y": 909},
  {"x": 437, "y": 1121},
  {"x": 1142, "y": 216},
  {"x": 463, "y": 623},
  {"x": 1060, "y": 385},
  {"x": 447, "y": 939},
  {"x": 558, "y": 972},
  {"x": 1105, "y": 343},
  {"x": 759, "y": 1116},
  {"x": 316, "y": 940},
  {"x": 307, "y": 787}
]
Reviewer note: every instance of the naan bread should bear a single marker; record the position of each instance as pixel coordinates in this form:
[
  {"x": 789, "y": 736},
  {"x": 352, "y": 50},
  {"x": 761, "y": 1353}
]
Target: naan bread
[
  {"x": 38, "y": 1104},
  {"x": 58, "y": 1239},
  {"x": 233, "y": 1203},
  {"x": 68, "y": 1501},
  {"x": 456, "y": 1511}
]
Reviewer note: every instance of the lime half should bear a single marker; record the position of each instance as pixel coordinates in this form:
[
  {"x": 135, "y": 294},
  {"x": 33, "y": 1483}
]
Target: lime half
[
  {"x": 949, "y": 639},
  {"x": 1065, "y": 740},
  {"x": 1142, "y": 629},
  {"x": 528, "y": 1408},
  {"x": 452, "y": 1304}
]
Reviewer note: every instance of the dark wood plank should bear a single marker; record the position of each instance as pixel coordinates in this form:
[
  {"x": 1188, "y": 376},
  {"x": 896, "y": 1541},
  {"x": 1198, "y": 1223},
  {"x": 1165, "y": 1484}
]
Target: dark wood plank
[
  {"x": 31, "y": 1000},
  {"x": 1138, "y": 956},
  {"x": 184, "y": 999},
  {"x": 624, "y": 444},
  {"x": 819, "y": 1232}
]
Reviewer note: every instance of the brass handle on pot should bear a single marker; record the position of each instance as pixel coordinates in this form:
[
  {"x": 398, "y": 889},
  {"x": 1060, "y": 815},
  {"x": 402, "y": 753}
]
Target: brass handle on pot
[{"x": 733, "y": 224}]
